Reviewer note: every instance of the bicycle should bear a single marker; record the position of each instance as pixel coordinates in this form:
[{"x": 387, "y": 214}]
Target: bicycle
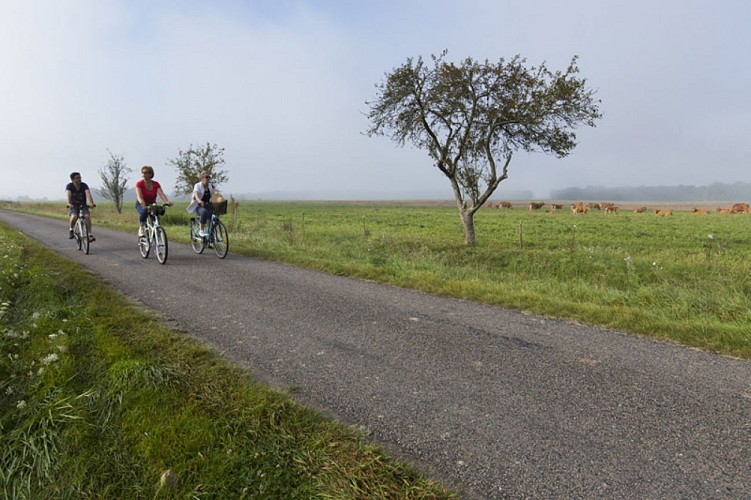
[
  {"x": 217, "y": 236},
  {"x": 154, "y": 235},
  {"x": 81, "y": 230}
]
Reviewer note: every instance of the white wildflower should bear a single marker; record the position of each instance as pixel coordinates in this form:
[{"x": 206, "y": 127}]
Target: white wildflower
[
  {"x": 9, "y": 391},
  {"x": 21, "y": 404},
  {"x": 52, "y": 336},
  {"x": 49, "y": 359}
]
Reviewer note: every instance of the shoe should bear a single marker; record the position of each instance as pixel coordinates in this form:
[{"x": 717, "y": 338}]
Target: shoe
[
  {"x": 141, "y": 232},
  {"x": 70, "y": 234},
  {"x": 91, "y": 238},
  {"x": 202, "y": 233}
]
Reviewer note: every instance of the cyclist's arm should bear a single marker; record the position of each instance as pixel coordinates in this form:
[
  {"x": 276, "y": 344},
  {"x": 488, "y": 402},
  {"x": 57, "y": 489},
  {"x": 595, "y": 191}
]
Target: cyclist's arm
[
  {"x": 67, "y": 197},
  {"x": 163, "y": 197},
  {"x": 90, "y": 198},
  {"x": 197, "y": 196},
  {"x": 139, "y": 197}
]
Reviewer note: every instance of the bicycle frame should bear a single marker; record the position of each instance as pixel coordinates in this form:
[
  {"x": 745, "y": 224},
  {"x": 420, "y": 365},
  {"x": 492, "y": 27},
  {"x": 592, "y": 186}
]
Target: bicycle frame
[
  {"x": 216, "y": 237},
  {"x": 154, "y": 236},
  {"x": 81, "y": 231}
]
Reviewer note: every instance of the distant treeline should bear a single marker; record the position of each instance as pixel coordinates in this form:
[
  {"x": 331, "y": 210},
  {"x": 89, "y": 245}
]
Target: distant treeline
[{"x": 737, "y": 192}]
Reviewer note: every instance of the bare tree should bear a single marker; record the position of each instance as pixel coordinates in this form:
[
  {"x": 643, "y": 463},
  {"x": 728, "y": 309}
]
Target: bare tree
[
  {"x": 192, "y": 162},
  {"x": 472, "y": 117},
  {"x": 114, "y": 180}
]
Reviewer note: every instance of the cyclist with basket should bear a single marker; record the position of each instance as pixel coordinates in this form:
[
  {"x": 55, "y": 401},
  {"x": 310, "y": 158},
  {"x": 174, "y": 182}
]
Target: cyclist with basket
[
  {"x": 147, "y": 190},
  {"x": 205, "y": 194},
  {"x": 78, "y": 196}
]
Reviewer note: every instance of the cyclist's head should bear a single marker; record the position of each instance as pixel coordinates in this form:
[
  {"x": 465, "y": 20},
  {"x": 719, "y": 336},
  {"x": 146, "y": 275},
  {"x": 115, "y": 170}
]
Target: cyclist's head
[
  {"x": 73, "y": 175},
  {"x": 146, "y": 169},
  {"x": 205, "y": 175}
]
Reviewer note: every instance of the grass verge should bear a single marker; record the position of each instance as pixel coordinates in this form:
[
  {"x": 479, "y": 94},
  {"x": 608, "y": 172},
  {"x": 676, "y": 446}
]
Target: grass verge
[{"x": 99, "y": 399}]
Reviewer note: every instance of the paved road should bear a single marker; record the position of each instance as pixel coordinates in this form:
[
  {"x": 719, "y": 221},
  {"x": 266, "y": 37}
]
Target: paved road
[{"x": 493, "y": 402}]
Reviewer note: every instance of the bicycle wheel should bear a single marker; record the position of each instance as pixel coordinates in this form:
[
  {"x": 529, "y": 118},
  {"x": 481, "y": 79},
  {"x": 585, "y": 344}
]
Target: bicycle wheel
[
  {"x": 77, "y": 235},
  {"x": 198, "y": 243},
  {"x": 160, "y": 236},
  {"x": 144, "y": 245},
  {"x": 84, "y": 238},
  {"x": 220, "y": 239}
]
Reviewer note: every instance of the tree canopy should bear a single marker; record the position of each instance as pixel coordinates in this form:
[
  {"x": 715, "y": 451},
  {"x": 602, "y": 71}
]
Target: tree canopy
[
  {"x": 471, "y": 118},
  {"x": 114, "y": 180},
  {"x": 193, "y": 161}
]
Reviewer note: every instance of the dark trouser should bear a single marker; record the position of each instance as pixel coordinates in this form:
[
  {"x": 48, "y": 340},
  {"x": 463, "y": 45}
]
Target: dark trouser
[
  {"x": 143, "y": 212},
  {"x": 205, "y": 213}
]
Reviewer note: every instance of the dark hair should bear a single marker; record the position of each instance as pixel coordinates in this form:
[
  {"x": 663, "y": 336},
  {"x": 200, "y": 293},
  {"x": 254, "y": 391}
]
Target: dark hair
[
  {"x": 73, "y": 175},
  {"x": 149, "y": 169}
]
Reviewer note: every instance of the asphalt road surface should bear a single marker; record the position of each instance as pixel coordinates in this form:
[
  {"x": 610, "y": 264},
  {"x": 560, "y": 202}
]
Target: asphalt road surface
[{"x": 493, "y": 402}]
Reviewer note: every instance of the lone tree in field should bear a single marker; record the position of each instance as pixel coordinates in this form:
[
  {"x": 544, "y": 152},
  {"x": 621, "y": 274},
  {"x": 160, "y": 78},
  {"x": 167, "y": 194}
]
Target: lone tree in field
[
  {"x": 114, "y": 180},
  {"x": 192, "y": 162},
  {"x": 472, "y": 117}
]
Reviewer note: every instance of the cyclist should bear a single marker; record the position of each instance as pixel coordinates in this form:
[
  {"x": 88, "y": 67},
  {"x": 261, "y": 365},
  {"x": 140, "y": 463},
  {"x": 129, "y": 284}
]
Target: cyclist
[
  {"x": 203, "y": 192},
  {"x": 147, "y": 190},
  {"x": 78, "y": 194}
]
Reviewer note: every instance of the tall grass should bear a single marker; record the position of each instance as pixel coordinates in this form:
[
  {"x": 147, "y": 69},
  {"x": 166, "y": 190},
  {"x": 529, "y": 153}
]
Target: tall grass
[
  {"x": 99, "y": 400},
  {"x": 684, "y": 278}
]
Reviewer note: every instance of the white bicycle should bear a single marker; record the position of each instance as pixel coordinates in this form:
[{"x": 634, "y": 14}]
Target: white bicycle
[{"x": 155, "y": 236}]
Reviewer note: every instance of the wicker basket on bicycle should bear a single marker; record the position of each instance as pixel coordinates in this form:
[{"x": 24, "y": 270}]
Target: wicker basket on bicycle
[
  {"x": 157, "y": 209},
  {"x": 220, "y": 208}
]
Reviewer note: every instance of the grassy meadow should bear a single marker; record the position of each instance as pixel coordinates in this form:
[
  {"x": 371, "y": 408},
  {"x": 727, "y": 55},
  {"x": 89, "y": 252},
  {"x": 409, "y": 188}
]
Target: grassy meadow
[
  {"x": 685, "y": 277},
  {"x": 98, "y": 399}
]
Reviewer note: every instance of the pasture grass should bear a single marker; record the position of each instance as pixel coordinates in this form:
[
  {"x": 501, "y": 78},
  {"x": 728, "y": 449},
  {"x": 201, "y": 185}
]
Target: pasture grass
[
  {"x": 684, "y": 278},
  {"x": 98, "y": 399}
]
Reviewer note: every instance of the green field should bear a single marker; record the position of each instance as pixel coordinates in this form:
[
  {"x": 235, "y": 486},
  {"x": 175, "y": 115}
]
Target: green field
[{"x": 686, "y": 278}]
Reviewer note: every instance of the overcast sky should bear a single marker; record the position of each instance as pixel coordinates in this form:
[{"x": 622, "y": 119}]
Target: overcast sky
[{"x": 282, "y": 86}]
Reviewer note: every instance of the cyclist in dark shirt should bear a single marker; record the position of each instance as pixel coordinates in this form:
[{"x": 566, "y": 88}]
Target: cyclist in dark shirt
[{"x": 78, "y": 195}]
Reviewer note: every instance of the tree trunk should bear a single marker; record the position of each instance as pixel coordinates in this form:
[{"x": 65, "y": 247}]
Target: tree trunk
[{"x": 468, "y": 219}]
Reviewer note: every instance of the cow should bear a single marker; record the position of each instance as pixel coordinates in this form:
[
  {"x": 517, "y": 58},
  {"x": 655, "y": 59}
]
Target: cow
[
  {"x": 505, "y": 204},
  {"x": 579, "y": 208},
  {"x": 555, "y": 206},
  {"x": 536, "y": 205},
  {"x": 595, "y": 206},
  {"x": 640, "y": 210},
  {"x": 739, "y": 208},
  {"x": 610, "y": 209},
  {"x": 664, "y": 213},
  {"x": 700, "y": 211},
  {"x": 721, "y": 210}
]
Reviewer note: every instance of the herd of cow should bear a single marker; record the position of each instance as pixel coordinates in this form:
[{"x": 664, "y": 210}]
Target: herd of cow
[{"x": 583, "y": 208}]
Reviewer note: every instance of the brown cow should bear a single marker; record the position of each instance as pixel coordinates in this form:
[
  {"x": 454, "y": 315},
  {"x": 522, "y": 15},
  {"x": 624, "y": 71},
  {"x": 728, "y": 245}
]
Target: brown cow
[
  {"x": 536, "y": 205},
  {"x": 579, "y": 208},
  {"x": 640, "y": 210},
  {"x": 664, "y": 213},
  {"x": 700, "y": 211},
  {"x": 505, "y": 204},
  {"x": 610, "y": 209},
  {"x": 555, "y": 206},
  {"x": 595, "y": 206},
  {"x": 739, "y": 208},
  {"x": 722, "y": 210}
]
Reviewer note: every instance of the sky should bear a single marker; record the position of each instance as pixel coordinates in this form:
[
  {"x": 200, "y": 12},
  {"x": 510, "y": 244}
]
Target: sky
[{"x": 283, "y": 87}]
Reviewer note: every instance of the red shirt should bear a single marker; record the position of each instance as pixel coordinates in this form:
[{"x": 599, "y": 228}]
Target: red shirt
[{"x": 148, "y": 196}]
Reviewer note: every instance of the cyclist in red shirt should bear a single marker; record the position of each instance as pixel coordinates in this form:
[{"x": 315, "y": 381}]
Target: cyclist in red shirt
[{"x": 147, "y": 190}]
